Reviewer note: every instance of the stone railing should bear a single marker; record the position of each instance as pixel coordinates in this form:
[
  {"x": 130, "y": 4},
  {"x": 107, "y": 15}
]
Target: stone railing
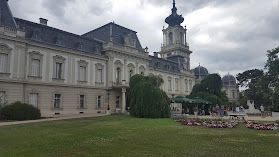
[
  {"x": 120, "y": 84},
  {"x": 10, "y": 30},
  {"x": 13, "y": 32}
]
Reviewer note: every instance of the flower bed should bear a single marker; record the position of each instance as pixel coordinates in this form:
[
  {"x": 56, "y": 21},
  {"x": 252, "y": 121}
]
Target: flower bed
[
  {"x": 209, "y": 124},
  {"x": 258, "y": 114},
  {"x": 264, "y": 126}
]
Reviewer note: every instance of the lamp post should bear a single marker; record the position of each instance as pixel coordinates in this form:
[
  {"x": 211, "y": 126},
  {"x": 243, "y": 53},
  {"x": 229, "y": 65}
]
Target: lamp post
[{"x": 108, "y": 93}]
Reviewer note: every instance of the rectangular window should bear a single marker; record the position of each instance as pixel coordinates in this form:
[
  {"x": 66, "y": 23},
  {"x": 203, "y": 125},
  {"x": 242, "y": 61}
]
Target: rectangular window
[
  {"x": 99, "y": 101},
  {"x": 169, "y": 85},
  {"x": 99, "y": 76},
  {"x": 82, "y": 73},
  {"x": 33, "y": 99},
  {"x": 35, "y": 67},
  {"x": 58, "y": 70},
  {"x": 117, "y": 102},
  {"x": 81, "y": 101},
  {"x": 3, "y": 63},
  {"x": 176, "y": 85},
  {"x": 57, "y": 101},
  {"x": 2, "y": 97}
]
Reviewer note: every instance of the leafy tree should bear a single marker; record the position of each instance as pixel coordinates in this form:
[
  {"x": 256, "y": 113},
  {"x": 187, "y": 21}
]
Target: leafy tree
[
  {"x": 210, "y": 89},
  {"x": 271, "y": 78},
  {"x": 146, "y": 99},
  {"x": 249, "y": 79}
]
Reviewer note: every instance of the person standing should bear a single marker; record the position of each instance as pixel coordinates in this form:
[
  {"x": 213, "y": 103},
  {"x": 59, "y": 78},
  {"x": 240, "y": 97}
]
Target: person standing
[
  {"x": 218, "y": 110},
  {"x": 237, "y": 108},
  {"x": 262, "y": 110},
  {"x": 222, "y": 110},
  {"x": 202, "y": 110}
]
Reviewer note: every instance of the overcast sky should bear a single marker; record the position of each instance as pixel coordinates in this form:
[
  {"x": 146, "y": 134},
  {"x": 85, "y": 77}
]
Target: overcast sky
[{"x": 224, "y": 35}]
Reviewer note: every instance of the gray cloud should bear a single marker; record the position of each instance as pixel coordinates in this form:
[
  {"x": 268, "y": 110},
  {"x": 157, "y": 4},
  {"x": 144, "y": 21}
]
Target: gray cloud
[{"x": 224, "y": 35}]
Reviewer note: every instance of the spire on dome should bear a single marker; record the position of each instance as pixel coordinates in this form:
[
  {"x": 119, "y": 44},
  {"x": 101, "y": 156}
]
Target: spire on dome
[{"x": 174, "y": 19}]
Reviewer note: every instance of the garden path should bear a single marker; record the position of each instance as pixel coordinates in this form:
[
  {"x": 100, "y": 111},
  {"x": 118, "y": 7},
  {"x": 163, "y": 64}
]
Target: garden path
[{"x": 52, "y": 119}]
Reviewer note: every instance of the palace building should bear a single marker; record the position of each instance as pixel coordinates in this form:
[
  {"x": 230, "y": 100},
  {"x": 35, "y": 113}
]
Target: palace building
[{"x": 62, "y": 73}]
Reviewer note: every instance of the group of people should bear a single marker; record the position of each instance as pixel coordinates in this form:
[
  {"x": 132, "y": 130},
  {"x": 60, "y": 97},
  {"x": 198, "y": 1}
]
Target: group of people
[{"x": 219, "y": 111}]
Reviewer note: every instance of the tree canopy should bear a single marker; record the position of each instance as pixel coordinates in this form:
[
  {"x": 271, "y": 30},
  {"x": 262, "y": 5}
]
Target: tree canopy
[
  {"x": 210, "y": 89},
  {"x": 146, "y": 99}
]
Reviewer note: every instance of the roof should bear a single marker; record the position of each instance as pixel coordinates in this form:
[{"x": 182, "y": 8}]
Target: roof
[
  {"x": 115, "y": 31},
  {"x": 229, "y": 80},
  {"x": 174, "y": 19},
  {"x": 200, "y": 72},
  {"x": 6, "y": 16},
  {"x": 163, "y": 64},
  {"x": 55, "y": 37}
]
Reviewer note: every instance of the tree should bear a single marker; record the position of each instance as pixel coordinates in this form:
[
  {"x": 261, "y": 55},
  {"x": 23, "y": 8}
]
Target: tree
[
  {"x": 210, "y": 89},
  {"x": 249, "y": 79},
  {"x": 271, "y": 78},
  {"x": 146, "y": 99}
]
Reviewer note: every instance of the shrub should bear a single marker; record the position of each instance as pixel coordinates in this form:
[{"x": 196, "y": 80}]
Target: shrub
[{"x": 20, "y": 111}]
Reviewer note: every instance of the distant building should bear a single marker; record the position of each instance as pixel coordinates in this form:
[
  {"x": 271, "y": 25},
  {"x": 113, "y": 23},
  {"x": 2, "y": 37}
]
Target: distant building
[
  {"x": 200, "y": 73},
  {"x": 63, "y": 73},
  {"x": 231, "y": 88}
]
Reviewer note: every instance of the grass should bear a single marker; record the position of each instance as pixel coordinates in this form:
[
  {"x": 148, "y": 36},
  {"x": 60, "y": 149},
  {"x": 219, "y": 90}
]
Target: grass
[{"x": 126, "y": 136}]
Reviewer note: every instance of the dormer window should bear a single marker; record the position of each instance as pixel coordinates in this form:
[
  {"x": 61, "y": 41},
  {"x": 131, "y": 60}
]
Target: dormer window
[
  {"x": 98, "y": 49},
  {"x": 168, "y": 66},
  {"x": 158, "y": 65},
  {"x": 80, "y": 46},
  {"x": 37, "y": 35},
  {"x": 59, "y": 40}
]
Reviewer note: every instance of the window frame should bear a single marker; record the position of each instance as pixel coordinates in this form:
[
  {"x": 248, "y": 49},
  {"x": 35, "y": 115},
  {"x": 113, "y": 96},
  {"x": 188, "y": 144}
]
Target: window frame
[
  {"x": 6, "y": 50},
  {"x": 83, "y": 63},
  {"x": 99, "y": 66},
  {"x": 59, "y": 60},
  {"x": 60, "y": 101},
  {"x": 3, "y": 99},
  {"x": 37, "y": 101}
]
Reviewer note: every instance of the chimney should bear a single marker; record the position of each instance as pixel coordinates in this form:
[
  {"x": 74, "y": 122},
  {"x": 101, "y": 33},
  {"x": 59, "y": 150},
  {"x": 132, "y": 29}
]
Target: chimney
[
  {"x": 155, "y": 54},
  {"x": 43, "y": 21}
]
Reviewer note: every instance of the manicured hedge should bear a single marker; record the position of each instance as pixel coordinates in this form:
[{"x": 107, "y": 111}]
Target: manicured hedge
[{"x": 20, "y": 111}]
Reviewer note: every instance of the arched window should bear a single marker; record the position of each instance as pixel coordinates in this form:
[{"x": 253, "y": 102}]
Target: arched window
[
  {"x": 170, "y": 38},
  {"x": 118, "y": 74}
]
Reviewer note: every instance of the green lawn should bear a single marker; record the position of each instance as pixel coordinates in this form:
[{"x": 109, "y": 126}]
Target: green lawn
[{"x": 126, "y": 136}]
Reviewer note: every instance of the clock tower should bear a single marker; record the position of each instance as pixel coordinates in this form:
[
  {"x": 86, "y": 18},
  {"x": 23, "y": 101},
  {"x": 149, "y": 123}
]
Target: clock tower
[{"x": 175, "y": 46}]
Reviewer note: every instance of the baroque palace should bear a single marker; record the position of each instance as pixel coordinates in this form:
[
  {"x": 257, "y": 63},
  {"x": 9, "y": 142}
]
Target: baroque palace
[{"x": 63, "y": 73}]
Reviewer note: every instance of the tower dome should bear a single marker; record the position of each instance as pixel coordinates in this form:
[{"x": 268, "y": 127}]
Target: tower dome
[
  {"x": 174, "y": 19},
  {"x": 229, "y": 80},
  {"x": 200, "y": 72}
]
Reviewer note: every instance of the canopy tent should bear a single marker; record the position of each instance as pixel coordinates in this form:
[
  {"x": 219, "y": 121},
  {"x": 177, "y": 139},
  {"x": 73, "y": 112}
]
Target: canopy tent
[
  {"x": 181, "y": 99},
  {"x": 201, "y": 101},
  {"x": 197, "y": 100}
]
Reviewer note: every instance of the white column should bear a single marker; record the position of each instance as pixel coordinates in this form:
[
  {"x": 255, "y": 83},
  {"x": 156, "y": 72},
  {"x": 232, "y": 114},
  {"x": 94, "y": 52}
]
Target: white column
[{"x": 123, "y": 99}]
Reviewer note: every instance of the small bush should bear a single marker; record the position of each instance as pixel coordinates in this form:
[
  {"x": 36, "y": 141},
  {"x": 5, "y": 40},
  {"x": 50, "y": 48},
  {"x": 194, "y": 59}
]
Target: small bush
[{"x": 20, "y": 111}]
